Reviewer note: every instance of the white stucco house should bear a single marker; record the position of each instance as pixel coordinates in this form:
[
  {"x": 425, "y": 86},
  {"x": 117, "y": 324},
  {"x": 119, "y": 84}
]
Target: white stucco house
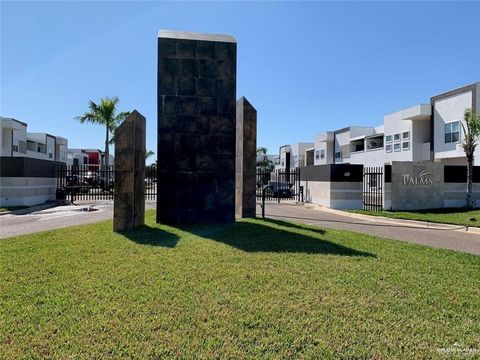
[
  {"x": 424, "y": 132},
  {"x": 28, "y": 163}
]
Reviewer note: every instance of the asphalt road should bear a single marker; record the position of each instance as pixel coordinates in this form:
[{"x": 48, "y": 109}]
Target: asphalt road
[
  {"x": 57, "y": 217},
  {"x": 54, "y": 218},
  {"x": 435, "y": 236}
]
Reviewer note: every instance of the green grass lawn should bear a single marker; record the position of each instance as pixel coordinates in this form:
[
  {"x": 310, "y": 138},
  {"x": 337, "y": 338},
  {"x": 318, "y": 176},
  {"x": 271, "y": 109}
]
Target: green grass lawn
[
  {"x": 257, "y": 289},
  {"x": 11, "y": 208},
  {"x": 447, "y": 216}
]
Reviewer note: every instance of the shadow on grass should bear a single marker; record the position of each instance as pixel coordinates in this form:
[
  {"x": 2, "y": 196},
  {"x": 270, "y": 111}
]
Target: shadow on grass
[
  {"x": 274, "y": 236},
  {"x": 251, "y": 236},
  {"x": 148, "y": 235}
]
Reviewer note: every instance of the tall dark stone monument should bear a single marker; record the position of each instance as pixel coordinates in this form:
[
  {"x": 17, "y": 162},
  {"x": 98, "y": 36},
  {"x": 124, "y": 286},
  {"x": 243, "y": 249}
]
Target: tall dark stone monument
[
  {"x": 196, "y": 127},
  {"x": 246, "y": 156},
  {"x": 129, "y": 198}
]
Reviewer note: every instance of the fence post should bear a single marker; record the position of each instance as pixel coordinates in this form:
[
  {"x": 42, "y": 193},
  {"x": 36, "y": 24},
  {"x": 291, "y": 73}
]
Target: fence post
[{"x": 264, "y": 190}]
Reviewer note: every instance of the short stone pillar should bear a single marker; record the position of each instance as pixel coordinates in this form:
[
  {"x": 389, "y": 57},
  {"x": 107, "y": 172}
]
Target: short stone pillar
[
  {"x": 196, "y": 128},
  {"x": 245, "y": 164},
  {"x": 129, "y": 198}
]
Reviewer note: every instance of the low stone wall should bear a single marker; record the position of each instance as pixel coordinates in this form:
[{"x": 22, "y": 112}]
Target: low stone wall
[
  {"x": 425, "y": 185},
  {"x": 416, "y": 185},
  {"x": 338, "y": 186},
  {"x": 26, "y": 191},
  {"x": 454, "y": 194}
]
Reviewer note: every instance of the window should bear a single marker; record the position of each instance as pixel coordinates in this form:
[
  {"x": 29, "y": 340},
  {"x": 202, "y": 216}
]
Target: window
[
  {"x": 452, "y": 132},
  {"x": 388, "y": 148},
  {"x": 322, "y": 154},
  {"x": 15, "y": 145},
  {"x": 396, "y": 147},
  {"x": 406, "y": 145},
  {"x": 396, "y": 137},
  {"x": 31, "y": 145},
  {"x": 406, "y": 135},
  {"x": 338, "y": 155},
  {"x": 388, "y": 138},
  {"x": 317, "y": 154},
  {"x": 41, "y": 148}
]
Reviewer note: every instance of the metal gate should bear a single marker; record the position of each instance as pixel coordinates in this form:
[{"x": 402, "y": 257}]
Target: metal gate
[
  {"x": 373, "y": 188},
  {"x": 279, "y": 185},
  {"x": 96, "y": 182}
]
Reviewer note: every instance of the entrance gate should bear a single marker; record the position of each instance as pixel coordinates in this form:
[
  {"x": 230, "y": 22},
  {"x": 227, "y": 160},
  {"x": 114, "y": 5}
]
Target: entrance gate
[
  {"x": 373, "y": 188},
  {"x": 279, "y": 185},
  {"x": 96, "y": 182}
]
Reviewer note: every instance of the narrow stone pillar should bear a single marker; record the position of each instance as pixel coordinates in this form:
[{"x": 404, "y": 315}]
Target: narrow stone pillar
[
  {"x": 129, "y": 198},
  {"x": 196, "y": 128},
  {"x": 246, "y": 155}
]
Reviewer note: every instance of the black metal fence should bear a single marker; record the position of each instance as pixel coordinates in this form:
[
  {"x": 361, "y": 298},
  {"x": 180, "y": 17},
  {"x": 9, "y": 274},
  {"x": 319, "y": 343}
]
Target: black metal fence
[
  {"x": 373, "y": 188},
  {"x": 96, "y": 182},
  {"x": 150, "y": 182},
  {"x": 280, "y": 185}
]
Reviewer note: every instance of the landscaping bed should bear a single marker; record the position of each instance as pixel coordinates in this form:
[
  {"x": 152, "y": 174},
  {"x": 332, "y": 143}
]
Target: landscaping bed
[{"x": 256, "y": 289}]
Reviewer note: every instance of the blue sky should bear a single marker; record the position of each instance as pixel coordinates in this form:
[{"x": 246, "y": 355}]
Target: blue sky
[{"x": 306, "y": 67}]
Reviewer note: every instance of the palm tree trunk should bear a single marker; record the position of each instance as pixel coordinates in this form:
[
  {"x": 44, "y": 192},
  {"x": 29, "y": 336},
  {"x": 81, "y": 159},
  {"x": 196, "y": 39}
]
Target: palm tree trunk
[
  {"x": 107, "y": 159},
  {"x": 469, "y": 182}
]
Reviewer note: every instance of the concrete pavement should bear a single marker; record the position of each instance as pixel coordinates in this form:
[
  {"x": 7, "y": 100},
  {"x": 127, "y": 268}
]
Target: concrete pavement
[{"x": 58, "y": 217}]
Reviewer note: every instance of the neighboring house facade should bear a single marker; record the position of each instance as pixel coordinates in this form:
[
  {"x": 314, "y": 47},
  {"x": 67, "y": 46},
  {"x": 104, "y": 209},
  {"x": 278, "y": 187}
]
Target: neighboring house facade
[
  {"x": 28, "y": 164},
  {"x": 293, "y": 156},
  {"x": 419, "y": 150},
  {"x": 424, "y": 132},
  {"x": 88, "y": 157},
  {"x": 447, "y": 119}
]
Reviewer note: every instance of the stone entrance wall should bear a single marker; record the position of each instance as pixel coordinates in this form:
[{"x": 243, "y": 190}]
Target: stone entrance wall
[
  {"x": 196, "y": 128},
  {"x": 246, "y": 156},
  {"x": 416, "y": 186},
  {"x": 129, "y": 196}
]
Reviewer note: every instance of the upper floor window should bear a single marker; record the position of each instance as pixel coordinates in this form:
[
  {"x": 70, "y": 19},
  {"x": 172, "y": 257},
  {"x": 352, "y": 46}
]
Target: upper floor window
[
  {"x": 388, "y": 148},
  {"x": 396, "y": 137},
  {"x": 338, "y": 154},
  {"x": 317, "y": 154},
  {"x": 452, "y": 132},
  {"x": 15, "y": 145},
  {"x": 396, "y": 147},
  {"x": 406, "y": 135},
  {"x": 388, "y": 138},
  {"x": 406, "y": 145},
  {"x": 322, "y": 154}
]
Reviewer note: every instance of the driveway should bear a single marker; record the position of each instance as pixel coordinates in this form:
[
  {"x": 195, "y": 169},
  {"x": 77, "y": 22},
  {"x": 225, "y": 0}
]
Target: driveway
[
  {"x": 431, "y": 235},
  {"x": 57, "y": 217}
]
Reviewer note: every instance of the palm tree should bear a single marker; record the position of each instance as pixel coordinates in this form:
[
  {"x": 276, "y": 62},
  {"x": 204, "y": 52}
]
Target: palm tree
[
  {"x": 148, "y": 154},
  {"x": 262, "y": 151},
  {"x": 266, "y": 162},
  {"x": 104, "y": 114},
  {"x": 472, "y": 133}
]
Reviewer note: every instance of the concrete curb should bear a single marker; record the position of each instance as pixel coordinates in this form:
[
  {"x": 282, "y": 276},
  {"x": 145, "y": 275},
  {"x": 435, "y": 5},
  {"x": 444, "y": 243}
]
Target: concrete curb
[
  {"x": 420, "y": 224},
  {"x": 30, "y": 209}
]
